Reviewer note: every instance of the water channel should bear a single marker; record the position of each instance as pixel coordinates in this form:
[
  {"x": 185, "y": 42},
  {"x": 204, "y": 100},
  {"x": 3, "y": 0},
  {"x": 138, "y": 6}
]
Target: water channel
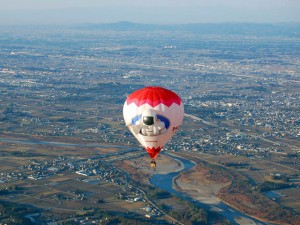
[
  {"x": 162, "y": 181},
  {"x": 165, "y": 182}
]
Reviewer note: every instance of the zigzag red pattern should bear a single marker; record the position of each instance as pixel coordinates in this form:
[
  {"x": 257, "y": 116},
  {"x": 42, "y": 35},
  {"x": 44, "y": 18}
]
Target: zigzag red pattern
[
  {"x": 153, "y": 152},
  {"x": 153, "y": 96}
]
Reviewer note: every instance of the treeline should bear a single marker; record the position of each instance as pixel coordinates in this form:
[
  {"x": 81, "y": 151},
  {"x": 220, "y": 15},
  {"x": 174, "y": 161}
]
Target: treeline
[
  {"x": 245, "y": 197},
  {"x": 111, "y": 218},
  {"x": 14, "y": 214},
  {"x": 159, "y": 194},
  {"x": 10, "y": 190},
  {"x": 24, "y": 154},
  {"x": 269, "y": 186},
  {"x": 192, "y": 216}
]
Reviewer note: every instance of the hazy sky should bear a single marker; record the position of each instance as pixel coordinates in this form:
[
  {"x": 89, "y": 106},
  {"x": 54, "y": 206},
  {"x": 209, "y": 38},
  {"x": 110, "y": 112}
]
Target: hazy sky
[{"x": 150, "y": 11}]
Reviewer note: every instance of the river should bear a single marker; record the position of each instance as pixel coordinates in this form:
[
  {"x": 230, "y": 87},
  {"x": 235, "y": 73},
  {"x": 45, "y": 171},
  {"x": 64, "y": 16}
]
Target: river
[
  {"x": 162, "y": 181},
  {"x": 165, "y": 182}
]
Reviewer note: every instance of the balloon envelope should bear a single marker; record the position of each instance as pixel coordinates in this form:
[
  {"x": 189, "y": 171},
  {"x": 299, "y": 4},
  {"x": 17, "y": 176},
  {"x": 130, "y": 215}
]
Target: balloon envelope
[{"x": 153, "y": 114}]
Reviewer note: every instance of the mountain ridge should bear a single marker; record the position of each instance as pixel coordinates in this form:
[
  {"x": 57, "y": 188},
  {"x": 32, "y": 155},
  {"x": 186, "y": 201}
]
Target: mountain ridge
[{"x": 266, "y": 29}]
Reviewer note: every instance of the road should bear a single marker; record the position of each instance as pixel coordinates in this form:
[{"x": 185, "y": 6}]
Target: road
[
  {"x": 152, "y": 203},
  {"x": 200, "y": 119}
]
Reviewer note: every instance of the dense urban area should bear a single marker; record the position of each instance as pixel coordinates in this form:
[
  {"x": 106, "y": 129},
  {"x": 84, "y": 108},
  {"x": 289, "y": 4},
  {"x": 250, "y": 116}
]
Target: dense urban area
[{"x": 68, "y": 158}]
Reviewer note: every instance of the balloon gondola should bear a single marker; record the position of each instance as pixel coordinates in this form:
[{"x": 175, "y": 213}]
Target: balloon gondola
[{"x": 153, "y": 115}]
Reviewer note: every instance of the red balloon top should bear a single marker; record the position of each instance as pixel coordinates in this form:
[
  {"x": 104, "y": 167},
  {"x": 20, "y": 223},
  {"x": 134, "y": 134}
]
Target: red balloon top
[{"x": 153, "y": 96}]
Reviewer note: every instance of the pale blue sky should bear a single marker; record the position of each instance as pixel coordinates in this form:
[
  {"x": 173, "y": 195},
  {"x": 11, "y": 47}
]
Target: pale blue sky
[{"x": 153, "y": 11}]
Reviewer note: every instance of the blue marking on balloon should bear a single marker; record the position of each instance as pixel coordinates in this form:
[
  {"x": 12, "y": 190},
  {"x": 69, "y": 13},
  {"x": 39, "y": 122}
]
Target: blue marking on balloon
[
  {"x": 165, "y": 120},
  {"x": 137, "y": 118}
]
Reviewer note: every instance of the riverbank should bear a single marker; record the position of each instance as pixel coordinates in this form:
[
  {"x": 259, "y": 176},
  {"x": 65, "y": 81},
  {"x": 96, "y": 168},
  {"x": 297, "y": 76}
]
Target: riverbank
[{"x": 200, "y": 190}]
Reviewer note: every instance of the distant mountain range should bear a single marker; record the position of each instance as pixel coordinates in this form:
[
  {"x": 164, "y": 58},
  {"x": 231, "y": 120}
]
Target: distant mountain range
[{"x": 276, "y": 29}]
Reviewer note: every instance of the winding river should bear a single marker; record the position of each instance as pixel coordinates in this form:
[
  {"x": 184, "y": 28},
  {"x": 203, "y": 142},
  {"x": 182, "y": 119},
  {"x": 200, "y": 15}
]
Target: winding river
[
  {"x": 162, "y": 181},
  {"x": 165, "y": 182}
]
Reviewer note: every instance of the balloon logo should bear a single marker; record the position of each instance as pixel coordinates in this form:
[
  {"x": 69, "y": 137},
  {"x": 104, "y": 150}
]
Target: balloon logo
[{"x": 153, "y": 115}]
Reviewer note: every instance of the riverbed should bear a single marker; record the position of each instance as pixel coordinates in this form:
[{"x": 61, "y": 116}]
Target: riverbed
[{"x": 165, "y": 182}]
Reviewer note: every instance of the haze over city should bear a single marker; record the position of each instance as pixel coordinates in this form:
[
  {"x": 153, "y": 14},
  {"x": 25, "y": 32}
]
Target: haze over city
[{"x": 56, "y": 12}]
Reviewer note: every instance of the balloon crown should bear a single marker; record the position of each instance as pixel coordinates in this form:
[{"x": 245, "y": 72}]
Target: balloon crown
[{"x": 153, "y": 95}]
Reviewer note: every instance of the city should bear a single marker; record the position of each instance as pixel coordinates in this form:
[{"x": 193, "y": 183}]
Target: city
[{"x": 62, "y": 128}]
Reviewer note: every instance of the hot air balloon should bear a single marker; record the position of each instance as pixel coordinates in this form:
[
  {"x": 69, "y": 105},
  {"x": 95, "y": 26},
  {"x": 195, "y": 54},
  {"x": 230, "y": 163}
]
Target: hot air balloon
[{"x": 153, "y": 115}]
